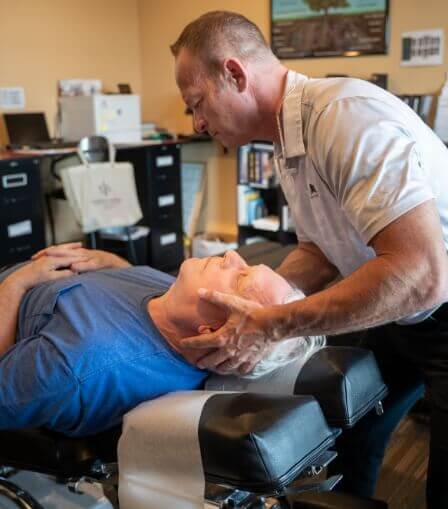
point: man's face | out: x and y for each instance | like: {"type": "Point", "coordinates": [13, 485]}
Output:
{"type": "Point", "coordinates": [218, 107]}
{"type": "Point", "coordinates": [227, 274]}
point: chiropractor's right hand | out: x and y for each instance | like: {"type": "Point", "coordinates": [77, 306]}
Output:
{"type": "Point", "coordinates": [85, 260]}
{"type": "Point", "coordinates": [240, 343]}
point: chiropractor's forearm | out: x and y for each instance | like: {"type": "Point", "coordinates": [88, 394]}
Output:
{"type": "Point", "coordinates": [11, 295]}
{"type": "Point", "coordinates": [307, 268]}
{"type": "Point", "coordinates": [383, 290]}
{"type": "Point", "coordinates": [408, 275]}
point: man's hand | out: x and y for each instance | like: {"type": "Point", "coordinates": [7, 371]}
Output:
{"type": "Point", "coordinates": [241, 342]}
{"type": "Point", "coordinates": [85, 260]}
{"type": "Point", "coordinates": [14, 287]}
{"type": "Point", "coordinates": [44, 269]}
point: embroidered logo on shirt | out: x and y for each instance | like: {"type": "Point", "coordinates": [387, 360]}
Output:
{"type": "Point", "coordinates": [313, 191]}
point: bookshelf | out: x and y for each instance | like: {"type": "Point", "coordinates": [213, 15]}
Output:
{"type": "Point", "coordinates": [262, 208]}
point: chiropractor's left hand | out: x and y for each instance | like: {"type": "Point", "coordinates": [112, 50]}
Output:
{"type": "Point", "coordinates": [241, 342]}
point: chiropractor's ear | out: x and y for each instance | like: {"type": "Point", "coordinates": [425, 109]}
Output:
{"type": "Point", "coordinates": [236, 73]}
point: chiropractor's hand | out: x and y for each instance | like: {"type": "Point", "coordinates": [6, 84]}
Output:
{"type": "Point", "coordinates": [84, 260]}
{"type": "Point", "coordinates": [241, 342]}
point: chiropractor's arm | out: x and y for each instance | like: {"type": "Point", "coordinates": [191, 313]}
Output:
{"type": "Point", "coordinates": [409, 274]}
{"type": "Point", "coordinates": [307, 268]}
{"type": "Point", "coordinates": [14, 287]}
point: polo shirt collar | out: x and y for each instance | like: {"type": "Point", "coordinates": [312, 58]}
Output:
{"type": "Point", "coordinates": [290, 117]}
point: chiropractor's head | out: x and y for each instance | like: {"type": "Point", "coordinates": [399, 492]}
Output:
{"type": "Point", "coordinates": [228, 274]}
{"type": "Point", "coordinates": [222, 59]}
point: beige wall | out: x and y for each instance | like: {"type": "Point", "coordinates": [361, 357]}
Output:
{"type": "Point", "coordinates": [161, 23]}
{"type": "Point", "coordinates": [128, 41]}
{"type": "Point", "coordinates": [47, 40]}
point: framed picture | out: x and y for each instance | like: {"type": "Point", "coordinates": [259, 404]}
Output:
{"type": "Point", "coordinates": [328, 28]}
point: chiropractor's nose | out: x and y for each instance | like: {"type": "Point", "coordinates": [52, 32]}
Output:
{"type": "Point", "coordinates": [199, 123]}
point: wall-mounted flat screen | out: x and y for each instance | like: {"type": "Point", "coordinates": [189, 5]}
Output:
{"type": "Point", "coordinates": [328, 28]}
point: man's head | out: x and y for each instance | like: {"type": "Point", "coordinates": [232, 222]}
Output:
{"type": "Point", "coordinates": [229, 77]}
{"type": "Point", "coordinates": [227, 274]}
{"type": "Point", "coordinates": [185, 314]}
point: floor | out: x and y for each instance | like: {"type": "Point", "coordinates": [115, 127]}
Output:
{"type": "Point", "coordinates": [402, 478]}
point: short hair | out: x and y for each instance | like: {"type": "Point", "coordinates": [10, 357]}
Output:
{"type": "Point", "coordinates": [216, 32]}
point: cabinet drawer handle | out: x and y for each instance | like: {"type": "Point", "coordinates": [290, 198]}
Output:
{"type": "Point", "coordinates": [19, 229]}
{"type": "Point", "coordinates": [15, 180]}
{"type": "Point", "coordinates": [166, 200]}
{"type": "Point", "coordinates": [163, 161]}
{"type": "Point", "coordinates": [168, 238]}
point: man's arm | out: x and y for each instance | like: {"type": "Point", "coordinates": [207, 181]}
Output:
{"type": "Point", "coordinates": [14, 287]}
{"type": "Point", "coordinates": [307, 268]}
{"type": "Point", "coordinates": [409, 274]}
{"type": "Point", "coordinates": [11, 295]}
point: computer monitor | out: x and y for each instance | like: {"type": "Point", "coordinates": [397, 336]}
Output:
{"type": "Point", "coordinates": [26, 128]}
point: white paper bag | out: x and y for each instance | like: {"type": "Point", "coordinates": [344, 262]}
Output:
{"type": "Point", "coordinates": [102, 195]}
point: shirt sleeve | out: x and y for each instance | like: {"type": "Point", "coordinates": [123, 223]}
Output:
{"type": "Point", "coordinates": [37, 388]}
{"type": "Point", "coordinates": [370, 162]}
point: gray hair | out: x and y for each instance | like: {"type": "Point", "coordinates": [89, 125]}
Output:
{"type": "Point", "coordinates": [298, 349]}
{"type": "Point", "coordinates": [217, 32]}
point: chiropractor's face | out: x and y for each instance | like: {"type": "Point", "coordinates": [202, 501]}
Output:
{"type": "Point", "coordinates": [219, 108]}
{"type": "Point", "coordinates": [228, 274]}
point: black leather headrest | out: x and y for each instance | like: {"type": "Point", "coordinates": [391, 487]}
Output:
{"type": "Point", "coordinates": [345, 380]}
{"type": "Point", "coordinates": [259, 442]}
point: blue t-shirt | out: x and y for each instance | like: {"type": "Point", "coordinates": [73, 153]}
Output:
{"type": "Point", "coordinates": [87, 352]}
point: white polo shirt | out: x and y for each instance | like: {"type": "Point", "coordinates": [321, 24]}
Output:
{"type": "Point", "coordinates": [354, 158]}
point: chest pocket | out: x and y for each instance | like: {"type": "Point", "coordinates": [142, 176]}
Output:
{"type": "Point", "coordinates": [40, 305]}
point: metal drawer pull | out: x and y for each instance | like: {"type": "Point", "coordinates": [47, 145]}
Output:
{"type": "Point", "coordinates": [168, 238]}
{"type": "Point", "coordinates": [163, 161]}
{"type": "Point", "coordinates": [166, 200]}
{"type": "Point", "coordinates": [19, 229]}
{"type": "Point", "coordinates": [15, 180]}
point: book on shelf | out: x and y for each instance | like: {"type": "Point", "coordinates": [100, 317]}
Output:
{"type": "Point", "coordinates": [287, 223]}
{"type": "Point", "coordinates": [243, 164]}
{"type": "Point", "coordinates": [255, 165]}
{"type": "Point", "coordinates": [250, 205]}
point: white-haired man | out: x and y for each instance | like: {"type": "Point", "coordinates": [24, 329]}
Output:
{"type": "Point", "coordinates": [85, 337]}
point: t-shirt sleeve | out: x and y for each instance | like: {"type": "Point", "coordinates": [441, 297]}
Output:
{"type": "Point", "coordinates": [370, 162]}
{"type": "Point", "coordinates": [37, 388]}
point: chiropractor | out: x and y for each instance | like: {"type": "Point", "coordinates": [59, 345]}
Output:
{"type": "Point", "coordinates": [364, 178]}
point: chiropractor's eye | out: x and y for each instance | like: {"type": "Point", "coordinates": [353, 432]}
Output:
{"type": "Point", "coordinates": [197, 104]}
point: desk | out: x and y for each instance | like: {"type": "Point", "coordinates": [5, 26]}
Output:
{"type": "Point", "coordinates": [21, 209]}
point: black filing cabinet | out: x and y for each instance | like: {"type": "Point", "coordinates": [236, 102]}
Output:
{"type": "Point", "coordinates": [157, 176]}
{"type": "Point", "coordinates": [21, 211]}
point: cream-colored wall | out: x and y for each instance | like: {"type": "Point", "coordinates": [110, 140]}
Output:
{"type": "Point", "coordinates": [115, 41]}
{"type": "Point", "coordinates": [161, 23]}
{"type": "Point", "coordinates": [44, 41]}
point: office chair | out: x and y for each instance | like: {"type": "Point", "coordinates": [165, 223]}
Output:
{"type": "Point", "coordinates": [95, 149]}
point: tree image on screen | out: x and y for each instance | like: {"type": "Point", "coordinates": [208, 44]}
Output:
{"type": "Point", "coordinates": [328, 34]}
{"type": "Point", "coordinates": [324, 5]}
